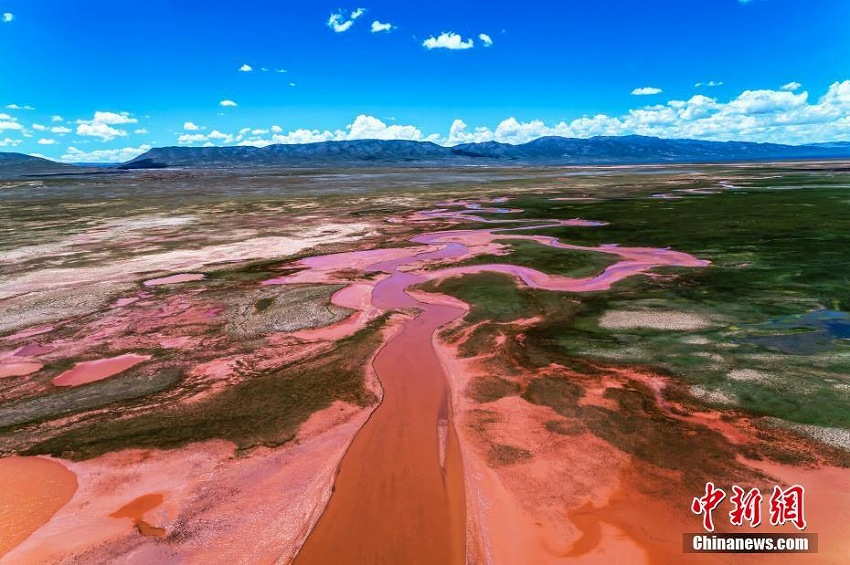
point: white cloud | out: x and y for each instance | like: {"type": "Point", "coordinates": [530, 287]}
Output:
{"type": "Point", "coordinates": [103, 131]}
{"type": "Point", "coordinates": [339, 23]}
{"type": "Point", "coordinates": [110, 118]}
{"type": "Point", "coordinates": [291, 84]}
{"type": "Point", "coordinates": [646, 91]}
{"type": "Point", "coordinates": [75, 155]}
{"type": "Point", "coordinates": [191, 126]}
{"type": "Point", "coordinates": [100, 125]}
{"type": "Point", "coordinates": [363, 127]}
{"type": "Point", "coordinates": [44, 141]}
{"type": "Point", "coordinates": [227, 103]}
{"type": "Point", "coordinates": [245, 68]}
{"type": "Point", "coordinates": [141, 131]}
{"type": "Point", "coordinates": [189, 138]}
{"type": "Point", "coordinates": [215, 135]}
{"type": "Point", "coordinates": [17, 107]}
{"type": "Point", "coordinates": [61, 130]}
{"type": "Point", "coordinates": [9, 123]}
{"type": "Point", "coordinates": [447, 40]}
{"type": "Point", "coordinates": [711, 83]}
{"type": "Point", "coordinates": [57, 119]}
{"type": "Point", "coordinates": [791, 86]}
{"type": "Point", "coordinates": [370, 127]}
{"type": "Point", "coordinates": [9, 142]}
{"type": "Point", "coordinates": [39, 127]}
{"type": "Point", "coordinates": [6, 117]}
{"type": "Point", "coordinates": [378, 27]}
{"type": "Point", "coordinates": [753, 115]}
{"type": "Point", "coordinates": [485, 39]}
{"type": "Point", "coordinates": [8, 17]}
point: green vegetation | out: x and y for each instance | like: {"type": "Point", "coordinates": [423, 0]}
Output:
{"type": "Point", "coordinates": [265, 409]}
{"type": "Point", "coordinates": [490, 389]}
{"type": "Point", "coordinates": [566, 262]}
{"type": "Point", "coordinates": [494, 297]}
{"type": "Point", "coordinates": [774, 254]}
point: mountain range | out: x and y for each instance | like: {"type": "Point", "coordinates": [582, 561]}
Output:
{"type": "Point", "coordinates": [602, 150]}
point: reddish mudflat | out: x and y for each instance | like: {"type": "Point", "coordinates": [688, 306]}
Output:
{"type": "Point", "coordinates": [90, 371]}
{"type": "Point", "coordinates": [19, 368]}
{"type": "Point", "coordinates": [34, 489]}
{"type": "Point", "coordinates": [173, 279]}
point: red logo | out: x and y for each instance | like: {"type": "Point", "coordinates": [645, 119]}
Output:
{"type": "Point", "coordinates": [706, 504]}
{"type": "Point", "coordinates": [785, 506]}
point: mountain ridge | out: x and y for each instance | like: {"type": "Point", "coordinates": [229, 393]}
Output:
{"type": "Point", "coordinates": [543, 151]}
{"type": "Point", "coordinates": [551, 150]}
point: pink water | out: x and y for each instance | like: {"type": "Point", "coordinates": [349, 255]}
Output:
{"type": "Point", "coordinates": [91, 371]}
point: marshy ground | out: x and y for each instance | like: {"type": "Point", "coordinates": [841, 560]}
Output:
{"type": "Point", "coordinates": [587, 418]}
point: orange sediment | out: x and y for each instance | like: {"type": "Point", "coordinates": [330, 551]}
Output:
{"type": "Point", "coordinates": [393, 501]}
{"type": "Point", "coordinates": [34, 489]}
{"type": "Point", "coordinates": [136, 510]}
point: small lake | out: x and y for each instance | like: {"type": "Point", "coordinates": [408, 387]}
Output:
{"type": "Point", "coordinates": [806, 334]}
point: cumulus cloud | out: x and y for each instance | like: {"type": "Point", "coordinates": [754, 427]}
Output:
{"type": "Point", "coordinates": [246, 68]}
{"type": "Point", "coordinates": [74, 155]}
{"type": "Point", "coordinates": [710, 83]}
{"type": "Point", "coordinates": [363, 127]}
{"type": "Point", "coordinates": [61, 130]}
{"type": "Point", "coordinates": [110, 118]}
{"type": "Point", "coordinates": [9, 142]}
{"type": "Point", "coordinates": [8, 17]}
{"type": "Point", "coordinates": [17, 107]}
{"type": "Point", "coordinates": [44, 141]}
{"type": "Point", "coordinates": [140, 131]}
{"type": "Point", "coordinates": [214, 137]}
{"type": "Point", "coordinates": [102, 131]}
{"type": "Point", "coordinates": [39, 127]}
{"type": "Point", "coordinates": [754, 115]}
{"type": "Point", "coordinates": [378, 27]}
{"type": "Point", "coordinates": [8, 122]}
{"type": "Point", "coordinates": [485, 39]}
{"type": "Point", "coordinates": [791, 86]}
{"type": "Point", "coordinates": [448, 40]}
{"type": "Point", "coordinates": [57, 119]}
{"type": "Point", "coordinates": [100, 125]}
{"type": "Point", "coordinates": [226, 103]}
{"type": "Point", "coordinates": [190, 126]}
{"type": "Point", "coordinates": [646, 91]}
{"type": "Point", "coordinates": [339, 23]}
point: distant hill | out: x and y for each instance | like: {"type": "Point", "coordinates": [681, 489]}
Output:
{"type": "Point", "coordinates": [18, 164]}
{"type": "Point", "coordinates": [631, 149]}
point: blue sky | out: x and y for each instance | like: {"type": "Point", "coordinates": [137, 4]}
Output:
{"type": "Point", "coordinates": [100, 80]}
